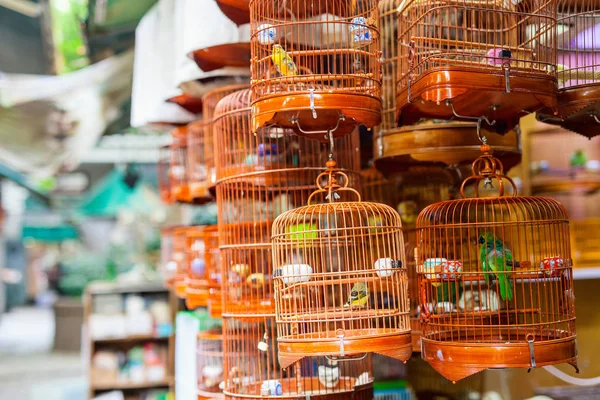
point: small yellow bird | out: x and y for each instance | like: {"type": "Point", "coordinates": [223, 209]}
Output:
{"type": "Point", "coordinates": [359, 295]}
{"type": "Point", "coordinates": [283, 62]}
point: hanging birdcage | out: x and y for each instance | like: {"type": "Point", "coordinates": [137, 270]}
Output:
{"type": "Point", "coordinates": [388, 10]}
{"type": "Point", "coordinates": [496, 280]}
{"type": "Point", "coordinates": [198, 176]}
{"type": "Point", "coordinates": [178, 170]}
{"type": "Point", "coordinates": [168, 264]}
{"type": "Point", "coordinates": [316, 65]}
{"type": "Point", "coordinates": [578, 67]}
{"type": "Point", "coordinates": [163, 167]}
{"type": "Point", "coordinates": [379, 189]}
{"type": "Point", "coordinates": [209, 363]}
{"type": "Point", "coordinates": [259, 177]}
{"type": "Point", "coordinates": [202, 255]}
{"type": "Point", "coordinates": [438, 142]}
{"type": "Point", "coordinates": [177, 280]}
{"type": "Point", "coordinates": [252, 370]}
{"type": "Point", "coordinates": [340, 277]}
{"type": "Point", "coordinates": [468, 59]}
{"type": "Point", "coordinates": [210, 101]}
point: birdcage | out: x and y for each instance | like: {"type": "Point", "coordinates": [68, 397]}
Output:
{"type": "Point", "coordinates": [496, 282]}
{"type": "Point", "coordinates": [259, 177]}
{"type": "Point", "coordinates": [252, 369]}
{"type": "Point", "coordinates": [178, 170]}
{"type": "Point", "coordinates": [340, 277]}
{"type": "Point", "coordinates": [209, 363]}
{"type": "Point", "coordinates": [578, 68]}
{"type": "Point", "coordinates": [210, 101]}
{"type": "Point", "coordinates": [388, 10]}
{"type": "Point", "coordinates": [168, 264]}
{"type": "Point", "coordinates": [377, 188]}
{"type": "Point", "coordinates": [439, 142]}
{"type": "Point", "coordinates": [177, 280]}
{"type": "Point", "coordinates": [203, 273]}
{"type": "Point", "coordinates": [316, 65]}
{"type": "Point", "coordinates": [197, 171]}
{"type": "Point", "coordinates": [163, 167]}
{"type": "Point", "coordinates": [468, 59]}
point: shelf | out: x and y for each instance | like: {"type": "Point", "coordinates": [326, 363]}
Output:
{"type": "Point", "coordinates": [586, 273]}
{"type": "Point", "coordinates": [125, 385]}
{"type": "Point", "coordinates": [135, 338]}
{"type": "Point", "coordinates": [584, 183]}
{"type": "Point", "coordinates": [115, 288]}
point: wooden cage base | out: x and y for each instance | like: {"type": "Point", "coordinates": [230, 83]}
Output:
{"type": "Point", "coordinates": [180, 288]}
{"type": "Point", "coordinates": [181, 193]}
{"type": "Point", "coordinates": [447, 143]}
{"type": "Point", "coordinates": [263, 179]}
{"type": "Point", "coordinates": [476, 93]}
{"type": "Point", "coordinates": [282, 109]}
{"type": "Point", "coordinates": [207, 395]}
{"type": "Point", "coordinates": [199, 193]}
{"type": "Point", "coordinates": [576, 107]}
{"type": "Point", "coordinates": [415, 333]}
{"type": "Point", "coordinates": [215, 305]}
{"type": "Point", "coordinates": [459, 359]}
{"type": "Point", "coordinates": [196, 297]}
{"type": "Point", "coordinates": [388, 342]}
{"type": "Point", "coordinates": [236, 10]}
{"type": "Point", "coordinates": [346, 390]}
{"type": "Point", "coordinates": [249, 308]}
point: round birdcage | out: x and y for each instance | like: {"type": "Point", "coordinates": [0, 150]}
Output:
{"type": "Point", "coordinates": [203, 273]}
{"type": "Point", "coordinates": [168, 264]}
{"type": "Point", "coordinates": [496, 280]}
{"type": "Point", "coordinates": [340, 277]}
{"type": "Point", "coordinates": [315, 65]}
{"type": "Point", "coordinates": [439, 142]}
{"type": "Point", "coordinates": [467, 59]}
{"type": "Point", "coordinates": [252, 369]}
{"type": "Point", "coordinates": [209, 363]}
{"type": "Point", "coordinates": [388, 11]}
{"type": "Point", "coordinates": [578, 68]}
{"type": "Point", "coordinates": [178, 169]}
{"type": "Point", "coordinates": [198, 176]}
{"type": "Point", "coordinates": [379, 189]}
{"type": "Point", "coordinates": [210, 101]}
{"type": "Point", "coordinates": [261, 175]}
{"type": "Point", "coordinates": [163, 168]}
{"type": "Point", "coordinates": [177, 280]}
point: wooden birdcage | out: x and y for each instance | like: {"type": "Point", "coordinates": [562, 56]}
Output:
{"type": "Point", "coordinates": [469, 59]}
{"type": "Point", "coordinates": [439, 142]}
{"type": "Point", "coordinates": [496, 280]}
{"type": "Point", "coordinates": [210, 101]}
{"type": "Point", "coordinates": [578, 68]}
{"type": "Point", "coordinates": [198, 174]}
{"type": "Point", "coordinates": [203, 273]}
{"type": "Point", "coordinates": [252, 369]}
{"type": "Point", "coordinates": [178, 170]}
{"type": "Point", "coordinates": [340, 277]}
{"type": "Point", "coordinates": [168, 264]}
{"type": "Point", "coordinates": [388, 11]}
{"type": "Point", "coordinates": [261, 175]}
{"type": "Point", "coordinates": [209, 363]}
{"type": "Point", "coordinates": [379, 189]}
{"type": "Point", "coordinates": [316, 65]}
{"type": "Point", "coordinates": [177, 280]}
{"type": "Point", "coordinates": [163, 168]}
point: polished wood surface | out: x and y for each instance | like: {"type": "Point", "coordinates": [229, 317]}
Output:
{"type": "Point", "coordinates": [576, 107]}
{"type": "Point", "coordinates": [221, 56]}
{"type": "Point", "coordinates": [476, 93]}
{"type": "Point", "coordinates": [187, 102]}
{"type": "Point", "coordinates": [236, 10]}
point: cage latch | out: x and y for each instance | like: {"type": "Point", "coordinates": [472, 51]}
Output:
{"type": "Point", "coordinates": [312, 103]}
{"type": "Point", "coordinates": [530, 339]}
{"type": "Point", "coordinates": [506, 67]}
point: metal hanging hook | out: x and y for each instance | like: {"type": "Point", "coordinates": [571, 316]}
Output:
{"type": "Point", "coordinates": [482, 139]}
{"type": "Point", "coordinates": [593, 115]}
{"type": "Point", "coordinates": [484, 118]}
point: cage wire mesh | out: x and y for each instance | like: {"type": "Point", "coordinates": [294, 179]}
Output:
{"type": "Point", "coordinates": [203, 272]}
{"type": "Point", "coordinates": [578, 32]}
{"type": "Point", "coordinates": [198, 175]}
{"type": "Point", "coordinates": [467, 59]}
{"type": "Point", "coordinates": [209, 363]}
{"type": "Point", "coordinates": [178, 170]}
{"type": "Point", "coordinates": [315, 65]}
{"type": "Point", "coordinates": [340, 276]}
{"type": "Point", "coordinates": [177, 281]}
{"type": "Point", "coordinates": [163, 168]}
{"type": "Point", "coordinates": [259, 176]}
{"type": "Point", "coordinates": [168, 264]}
{"type": "Point", "coordinates": [496, 282]}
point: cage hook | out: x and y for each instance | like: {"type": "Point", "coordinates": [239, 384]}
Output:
{"type": "Point", "coordinates": [483, 117]}
{"type": "Point", "coordinates": [312, 103]}
{"type": "Point", "coordinates": [482, 139]}
{"type": "Point", "coordinates": [593, 115]}
{"type": "Point", "coordinates": [506, 67]}
{"type": "Point", "coordinates": [296, 121]}
{"type": "Point", "coordinates": [530, 339]}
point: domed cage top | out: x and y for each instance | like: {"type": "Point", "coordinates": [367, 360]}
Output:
{"type": "Point", "coordinates": [315, 64]}
{"type": "Point", "coordinates": [252, 369]}
{"type": "Point", "coordinates": [178, 170]}
{"type": "Point", "coordinates": [467, 59]}
{"type": "Point", "coordinates": [203, 273]}
{"type": "Point", "coordinates": [496, 282]}
{"type": "Point", "coordinates": [341, 286]}
{"type": "Point", "coordinates": [209, 363]}
{"type": "Point", "coordinates": [177, 282]}
{"type": "Point", "coordinates": [578, 67]}
{"type": "Point", "coordinates": [209, 102]}
{"type": "Point", "coordinates": [261, 176]}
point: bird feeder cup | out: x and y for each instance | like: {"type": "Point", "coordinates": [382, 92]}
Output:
{"type": "Point", "coordinates": [467, 59]}
{"type": "Point", "coordinates": [578, 68]}
{"type": "Point", "coordinates": [341, 285]}
{"type": "Point", "coordinates": [328, 65]}
{"type": "Point", "coordinates": [495, 278]}
{"type": "Point", "coordinates": [203, 273]}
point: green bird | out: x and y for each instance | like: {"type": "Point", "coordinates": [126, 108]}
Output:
{"type": "Point", "coordinates": [578, 159]}
{"type": "Point", "coordinates": [359, 295]}
{"type": "Point", "coordinates": [495, 257]}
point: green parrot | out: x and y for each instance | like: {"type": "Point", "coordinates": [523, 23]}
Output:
{"type": "Point", "coordinates": [496, 257]}
{"type": "Point", "coordinates": [578, 159]}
